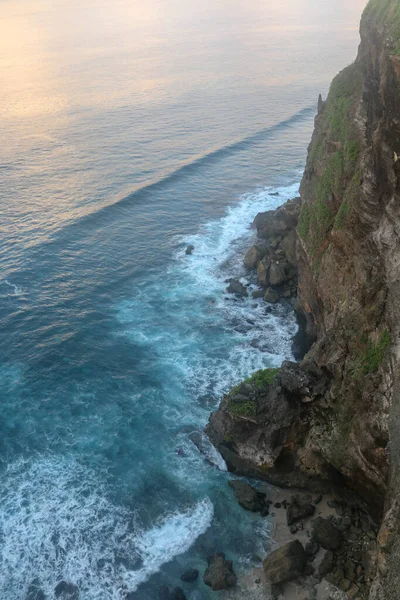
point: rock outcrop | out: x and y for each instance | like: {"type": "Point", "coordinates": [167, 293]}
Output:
{"type": "Point", "coordinates": [274, 256]}
{"type": "Point", "coordinates": [285, 563]}
{"type": "Point", "coordinates": [219, 574]}
{"type": "Point", "coordinates": [336, 415]}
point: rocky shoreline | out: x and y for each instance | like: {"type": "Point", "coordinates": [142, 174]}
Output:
{"type": "Point", "coordinates": [325, 538]}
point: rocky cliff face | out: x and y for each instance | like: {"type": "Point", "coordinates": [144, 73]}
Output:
{"type": "Point", "coordinates": [337, 414]}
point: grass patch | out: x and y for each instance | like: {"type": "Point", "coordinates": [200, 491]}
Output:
{"type": "Point", "coordinates": [372, 356]}
{"type": "Point", "coordinates": [247, 408]}
{"type": "Point", "coordinates": [262, 378]}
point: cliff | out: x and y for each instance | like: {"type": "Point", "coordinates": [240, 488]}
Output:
{"type": "Point", "coordinates": [335, 417]}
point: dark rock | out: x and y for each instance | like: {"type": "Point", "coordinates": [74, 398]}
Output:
{"type": "Point", "coordinates": [163, 593]}
{"type": "Point", "coordinates": [285, 563]}
{"type": "Point", "coordinates": [311, 548]}
{"type": "Point", "coordinates": [190, 575]}
{"type": "Point", "coordinates": [177, 594]}
{"type": "Point", "coordinates": [298, 509]}
{"type": "Point", "coordinates": [247, 496]}
{"type": "Point", "coordinates": [219, 574]}
{"type": "Point", "coordinates": [66, 591]}
{"type": "Point", "coordinates": [276, 591]}
{"type": "Point", "coordinates": [318, 500]}
{"type": "Point", "coordinates": [278, 505]}
{"type": "Point", "coordinates": [326, 534]}
{"type": "Point", "coordinates": [271, 296]}
{"type": "Point", "coordinates": [189, 249]}
{"type": "Point", "coordinates": [35, 592]}
{"type": "Point", "coordinates": [235, 287]}
{"type": "Point", "coordinates": [326, 564]}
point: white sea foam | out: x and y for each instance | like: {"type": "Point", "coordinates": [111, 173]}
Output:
{"type": "Point", "coordinates": [168, 538]}
{"type": "Point", "coordinates": [57, 521]}
{"type": "Point", "coordinates": [16, 290]}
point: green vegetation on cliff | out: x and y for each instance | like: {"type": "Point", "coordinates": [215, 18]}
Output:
{"type": "Point", "coordinates": [371, 356]}
{"type": "Point", "coordinates": [241, 406]}
{"type": "Point", "coordinates": [262, 378]}
{"type": "Point", "coordinates": [332, 163]}
{"type": "Point", "coordinates": [385, 13]}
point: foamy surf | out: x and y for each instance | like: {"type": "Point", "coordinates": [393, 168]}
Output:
{"type": "Point", "coordinates": [57, 522]}
{"type": "Point", "coordinates": [171, 536]}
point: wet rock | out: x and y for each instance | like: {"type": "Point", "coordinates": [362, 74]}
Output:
{"type": "Point", "coordinates": [177, 594]}
{"type": "Point", "coordinates": [247, 496]}
{"type": "Point", "coordinates": [326, 564]}
{"type": "Point", "coordinates": [235, 287]}
{"type": "Point", "coordinates": [35, 592]}
{"type": "Point", "coordinates": [189, 249]}
{"type": "Point", "coordinates": [253, 257]}
{"type": "Point", "coordinates": [219, 574]}
{"type": "Point", "coordinates": [66, 591]}
{"type": "Point", "coordinates": [258, 294]}
{"type": "Point", "coordinates": [285, 563]}
{"type": "Point", "coordinates": [190, 575]}
{"type": "Point", "coordinates": [326, 534]}
{"type": "Point", "coordinates": [271, 296]}
{"type": "Point", "coordinates": [298, 509]}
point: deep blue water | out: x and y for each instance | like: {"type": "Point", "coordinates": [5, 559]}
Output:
{"type": "Point", "coordinates": [128, 132]}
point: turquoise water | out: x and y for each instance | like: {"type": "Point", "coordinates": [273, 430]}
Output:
{"type": "Point", "coordinates": [128, 132]}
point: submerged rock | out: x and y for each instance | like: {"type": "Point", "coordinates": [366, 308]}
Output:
{"type": "Point", "coordinates": [66, 591]}
{"type": "Point", "coordinates": [177, 594]}
{"type": "Point", "coordinates": [285, 563]}
{"type": "Point", "coordinates": [247, 496]}
{"type": "Point", "coordinates": [35, 592]}
{"type": "Point", "coordinates": [190, 575]}
{"type": "Point", "coordinates": [189, 249]}
{"type": "Point", "coordinates": [219, 574]}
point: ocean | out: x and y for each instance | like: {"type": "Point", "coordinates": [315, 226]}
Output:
{"type": "Point", "coordinates": [130, 130]}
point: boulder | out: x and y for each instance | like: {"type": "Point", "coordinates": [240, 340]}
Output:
{"type": "Point", "coordinates": [219, 574]}
{"type": "Point", "coordinates": [271, 296]}
{"type": "Point", "coordinates": [263, 271]}
{"type": "Point", "coordinates": [247, 496]}
{"type": "Point", "coordinates": [235, 287]}
{"type": "Point", "coordinates": [189, 249]}
{"type": "Point", "coordinates": [285, 563]}
{"type": "Point", "coordinates": [326, 564]}
{"type": "Point", "coordinates": [257, 294]}
{"type": "Point", "coordinates": [298, 509]}
{"type": "Point", "coordinates": [253, 257]}
{"type": "Point", "coordinates": [66, 591]}
{"type": "Point", "coordinates": [190, 575]}
{"type": "Point", "coordinates": [326, 534]}
{"type": "Point", "coordinates": [277, 273]}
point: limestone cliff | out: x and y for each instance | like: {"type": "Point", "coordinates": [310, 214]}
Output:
{"type": "Point", "coordinates": [337, 415]}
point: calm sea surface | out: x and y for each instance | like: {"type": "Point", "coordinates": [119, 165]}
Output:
{"type": "Point", "coordinates": [129, 130]}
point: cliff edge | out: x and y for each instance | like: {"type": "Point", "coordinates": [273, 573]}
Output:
{"type": "Point", "coordinates": [335, 417]}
